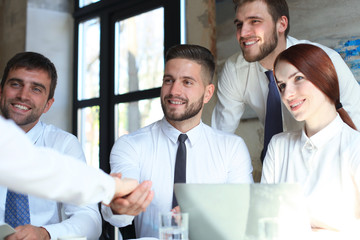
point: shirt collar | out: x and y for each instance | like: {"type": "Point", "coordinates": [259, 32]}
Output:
{"type": "Point", "coordinates": [173, 134]}
{"type": "Point", "coordinates": [261, 68]}
{"type": "Point", "coordinates": [324, 135]}
{"type": "Point", "coordinates": [35, 132]}
{"type": "Point", "coordinates": [289, 43]}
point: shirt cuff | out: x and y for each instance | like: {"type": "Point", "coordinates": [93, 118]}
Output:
{"type": "Point", "coordinates": [115, 219]}
{"type": "Point", "coordinates": [109, 190]}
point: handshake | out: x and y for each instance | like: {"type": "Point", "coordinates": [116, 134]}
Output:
{"type": "Point", "coordinates": [131, 198]}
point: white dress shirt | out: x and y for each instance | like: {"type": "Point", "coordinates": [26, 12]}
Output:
{"type": "Point", "coordinates": [149, 154]}
{"type": "Point", "coordinates": [327, 165]}
{"type": "Point", "coordinates": [57, 218]}
{"type": "Point", "coordinates": [241, 83]}
{"type": "Point", "coordinates": [75, 182]}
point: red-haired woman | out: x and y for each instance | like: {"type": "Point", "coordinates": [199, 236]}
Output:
{"type": "Point", "coordinates": [324, 157]}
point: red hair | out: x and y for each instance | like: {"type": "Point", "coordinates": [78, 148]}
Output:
{"type": "Point", "coordinates": [318, 68]}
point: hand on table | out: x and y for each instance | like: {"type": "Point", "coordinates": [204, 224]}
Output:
{"type": "Point", "coordinates": [29, 232]}
{"type": "Point", "coordinates": [176, 209]}
{"type": "Point", "coordinates": [134, 203]}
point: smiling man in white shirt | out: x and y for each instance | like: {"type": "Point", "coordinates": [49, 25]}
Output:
{"type": "Point", "coordinates": [27, 91]}
{"type": "Point", "coordinates": [150, 153]}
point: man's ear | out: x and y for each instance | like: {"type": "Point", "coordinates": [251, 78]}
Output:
{"type": "Point", "coordinates": [209, 91]}
{"type": "Point", "coordinates": [48, 105]}
{"type": "Point", "coordinates": [282, 24]}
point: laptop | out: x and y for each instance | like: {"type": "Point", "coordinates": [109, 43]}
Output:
{"type": "Point", "coordinates": [239, 211]}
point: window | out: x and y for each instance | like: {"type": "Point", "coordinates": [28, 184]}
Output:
{"type": "Point", "coordinates": [118, 68]}
{"type": "Point", "coordinates": [139, 63]}
{"type": "Point", "coordinates": [119, 61]}
{"type": "Point", "coordinates": [83, 3]}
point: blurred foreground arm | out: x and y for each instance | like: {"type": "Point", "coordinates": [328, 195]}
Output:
{"type": "Point", "coordinates": [65, 179]}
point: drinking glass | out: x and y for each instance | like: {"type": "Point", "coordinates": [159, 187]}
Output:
{"type": "Point", "coordinates": [269, 229]}
{"type": "Point", "coordinates": [173, 226]}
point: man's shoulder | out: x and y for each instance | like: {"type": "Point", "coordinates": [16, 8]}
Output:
{"type": "Point", "coordinates": [142, 134]}
{"type": "Point", "coordinates": [55, 132]}
{"type": "Point", "coordinates": [60, 140]}
{"type": "Point", "coordinates": [293, 41]}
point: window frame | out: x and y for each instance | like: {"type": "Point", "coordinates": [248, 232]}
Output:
{"type": "Point", "coordinates": [110, 11]}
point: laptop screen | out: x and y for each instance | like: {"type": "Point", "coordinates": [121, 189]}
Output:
{"type": "Point", "coordinates": [243, 211]}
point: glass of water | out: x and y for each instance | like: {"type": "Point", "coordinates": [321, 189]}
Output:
{"type": "Point", "coordinates": [174, 226]}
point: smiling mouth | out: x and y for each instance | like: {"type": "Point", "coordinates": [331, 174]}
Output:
{"type": "Point", "coordinates": [21, 107]}
{"type": "Point", "coordinates": [176, 102]}
{"type": "Point", "coordinates": [294, 106]}
{"type": "Point", "coordinates": [249, 43]}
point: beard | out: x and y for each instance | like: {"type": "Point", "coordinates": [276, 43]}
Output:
{"type": "Point", "coordinates": [19, 120]}
{"type": "Point", "coordinates": [191, 110]}
{"type": "Point", "coordinates": [265, 49]}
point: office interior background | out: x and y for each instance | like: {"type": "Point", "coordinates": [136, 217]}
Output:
{"type": "Point", "coordinates": [97, 46]}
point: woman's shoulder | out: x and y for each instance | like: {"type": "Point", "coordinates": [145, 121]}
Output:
{"type": "Point", "coordinates": [288, 136]}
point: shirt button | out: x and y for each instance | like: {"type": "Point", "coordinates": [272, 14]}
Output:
{"type": "Point", "coordinates": [309, 147]}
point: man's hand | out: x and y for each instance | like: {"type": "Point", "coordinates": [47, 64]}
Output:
{"type": "Point", "coordinates": [176, 209]}
{"type": "Point", "coordinates": [136, 202]}
{"type": "Point", "coordinates": [123, 186]}
{"type": "Point", "coordinates": [29, 232]}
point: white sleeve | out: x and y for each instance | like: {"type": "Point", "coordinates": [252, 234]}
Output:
{"type": "Point", "coordinates": [123, 159]}
{"type": "Point", "coordinates": [230, 106]}
{"type": "Point", "coordinates": [79, 221]}
{"type": "Point", "coordinates": [65, 179]}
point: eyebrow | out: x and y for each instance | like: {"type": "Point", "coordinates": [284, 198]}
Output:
{"type": "Point", "coordinates": [291, 75]}
{"type": "Point", "coordinates": [250, 17]}
{"type": "Point", "coordinates": [189, 77]}
{"type": "Point", "coordinates": [182, 77]}
{"type": "Point", "coordinates": [236, 21]}
{"type": "Point", "coordinates": [39, 85]}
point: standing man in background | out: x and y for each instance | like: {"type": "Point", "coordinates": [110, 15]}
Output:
{"type": "Point", "coordinates": [262, 32]}
{"type": "Point", "coordinates": [27, 91]}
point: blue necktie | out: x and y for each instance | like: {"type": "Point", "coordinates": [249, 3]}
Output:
{"type": "Point", "coordinates": [273, 119]}
{"type": "Point", "coordinates": [17, 209]}
{"type": "Point", "coordinates": [180, 165]}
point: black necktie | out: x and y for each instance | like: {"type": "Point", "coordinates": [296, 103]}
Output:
{"type": "Point", "coordinates": [180, 165]}
{"type": "Point", "coordinates": [273, 118]}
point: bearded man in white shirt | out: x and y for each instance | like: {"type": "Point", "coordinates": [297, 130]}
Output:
{"type": "Point", "coordinates": [212, 156]}
{"type": "Point", "coordinates": [262, 32]}
{"type": "Point", "coordinates": [27, 91]}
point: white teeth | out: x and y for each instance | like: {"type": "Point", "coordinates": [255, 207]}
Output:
{"type": "Point", "coordinates": [174, 102]}
{"type": "Point", "coordinates": [296, 104]}
{"type": "Point", "coordinates": [21, 107]}
{"type": "Point", "coordinates": [249, 43]}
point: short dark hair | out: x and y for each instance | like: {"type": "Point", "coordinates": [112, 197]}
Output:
{"type": "Point", "coordinates": [31, 61]}
{"type": "Point", "coordinates": [197, 53]}
{"type": "Point", "coordinates": [277, 9]}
